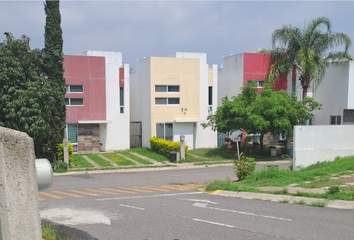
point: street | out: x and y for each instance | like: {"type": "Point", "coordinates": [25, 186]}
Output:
{"type": "Point", "coordinates": [168, 205]}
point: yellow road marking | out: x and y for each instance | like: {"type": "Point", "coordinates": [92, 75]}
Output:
{"type": "Point", "coordinates": [175, 187]}
{"type": "Point", "coordinates": [136, 190]}
{"type": "Point", "coordinates": [68, 194]}
{"type": "Point", "coordinates": [85, 193]}
{"type": "Point", "coordinates": [117, 190]}
{"type": "Point", "coordinates": [154, 188]}
{"type": "Point", "coordinates": [41, 199]}
{"type": "Point", "coordinates": [100, 191]}
{"type": "Point", "coordinates": [51, 195]}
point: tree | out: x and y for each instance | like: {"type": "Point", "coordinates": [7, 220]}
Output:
{"type": "Point", "coordinates": [23, 90]}
{"type": "Point", "coordinates": [308, 51]}
{"type": "Point", "coordinates": [270, 111]}
{"type": "Point", "coordinates": [55, 109]}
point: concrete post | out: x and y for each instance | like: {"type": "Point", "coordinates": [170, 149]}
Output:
{"type": "Point", "coordinates": [182, 147]}
{"type": "Point", "coordinates": [66, 151]}
{"type": "Point", "coordinates": [19, 211]}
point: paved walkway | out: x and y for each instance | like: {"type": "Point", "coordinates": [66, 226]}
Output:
{"type": "Point", "coordinates": [287, 199]}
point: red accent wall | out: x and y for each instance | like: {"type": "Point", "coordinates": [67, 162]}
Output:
{"type": "Point", "coordinates": [256, 66]}
{"type": "Point", "coordinates": [89, 72]}
{"type": "Point", "coordinates": [121, 77]}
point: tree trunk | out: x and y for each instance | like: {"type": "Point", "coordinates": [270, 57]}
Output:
{"type": "Point", "coordinates": [304, 92]}
{"type": "Point", "coordinates": [261, 141]}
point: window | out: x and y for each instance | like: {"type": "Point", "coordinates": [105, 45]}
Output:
{"type": "Point", "coordinates": [293, 87]}
{"type": "Point", "coordinates": [165, 88]}
{"type": "Point", "coordinates": [121, 99]}
{"type": "Point", "coordinates": [210, 96]}
{"type": "Point", "coordinates": [75, 88]}
{"type": "Point", "coordinates": [336, 120]}
{"type": "Point", "coordinates": [72, 135]}
{"type": "Point", "coordinates": [173, 101]}
{"type": "Point", "coordinates": [164, 131]}
{"type": "Point", "coordinates": [166, 101]}
{"type": "Point", "coordinates": [255, 83]}
{"type": "Point", "coordinates": [74, 101]}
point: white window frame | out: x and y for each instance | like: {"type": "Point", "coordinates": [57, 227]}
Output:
{"type": "Point", "coordinates": [258, 82]}
{"type": "Point", "coordinates": [166, 88]}
{"type": "Point", "coordinates": [337, 119]}
{"type": "Point", "coordinates": [164, 130]}
{"type": "Point", "coordinates": [70, 99]}
{"type": "Point", "coordinates": [170, 104]}
{"type": "Point", "coordinates": [68, 88]}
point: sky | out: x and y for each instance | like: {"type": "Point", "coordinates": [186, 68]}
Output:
{"type": "Point", "coordinates": [141, 29]}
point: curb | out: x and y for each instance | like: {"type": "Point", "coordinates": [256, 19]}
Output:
{"type": "Point", "coordinates": [148, 169]}
{"type": "Point", "coordinates": [339, 204]}
{"type": "Point", "coordinates": [177, 166]}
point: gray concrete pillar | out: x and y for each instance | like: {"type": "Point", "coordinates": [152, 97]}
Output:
{"type": "Point", "coordinates": [19, 215]}
{"type": "Point", "coordinates": [66, 151]}
{"type": "Point", "coordinates": [182, 147]}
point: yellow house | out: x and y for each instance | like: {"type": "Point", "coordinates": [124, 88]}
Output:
{"type": "Point", "coordinates": [172, 96]}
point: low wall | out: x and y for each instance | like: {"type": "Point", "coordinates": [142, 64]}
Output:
{"type": "Point", "coordinates": [19, 215]}
{"type": "Point", "coordinates": [321, 143]}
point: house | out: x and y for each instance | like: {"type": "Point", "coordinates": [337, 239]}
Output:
{"type": "Point", "coordinates": [336, 93]}
{"type": "Point", "coordinates": [239, 69]}
{"type": "Point", "coordinates": [172, 96]}
{"type": "Point", "coordinates": [97, 101]}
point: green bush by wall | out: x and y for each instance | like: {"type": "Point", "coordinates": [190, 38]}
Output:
{"type": "Point", "coordinates": [164, 147]}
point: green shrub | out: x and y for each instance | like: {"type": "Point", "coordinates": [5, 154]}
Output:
{"type": "Point", "coordinates": [244, 167]}
{"type": "Point", "coordinates": [60, 166]}
{"type": "Point", "coordinates": [60, 152]}
{"type": "Point", "coordinates": [164, 147]}
{"type": "Point", "coordinates": [332, 190]}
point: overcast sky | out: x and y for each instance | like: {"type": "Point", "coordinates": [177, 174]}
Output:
{"type": "Point", "coordinates": [158, 28]}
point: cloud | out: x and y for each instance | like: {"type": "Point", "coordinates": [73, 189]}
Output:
{"type": "Point", "coordinates": [158, 28]}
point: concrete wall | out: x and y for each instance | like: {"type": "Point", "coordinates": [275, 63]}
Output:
{"type": "Point", "coordinates": [314, 144]}
{"type": "Point", "coordinates": [140, 105]}
{"type": "Point", "coordinates": [19, 211]}
{"type": "Point", "coordinates": [230, 81]}
{"type": "Point", "coordinates": [332, 93]}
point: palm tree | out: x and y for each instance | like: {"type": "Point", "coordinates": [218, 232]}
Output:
{"type": "Point", "coordinates": [309, 51]}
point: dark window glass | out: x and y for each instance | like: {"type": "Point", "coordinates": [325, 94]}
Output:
{"type": "Point", "coordinates": [160, 101]}
{"type": "Point", "coordinates": [66, 101]}
{"type": "Point", "coordinates": [76, 88]}
{"type": "Point", "coordinates": [210, 97]}
{"type": "Point", "coordinates": [160, 131]}
{"type": "Point", "coordinates": [76, 101]}
{"type": "Point", "coordinates": [72, 133]}
{"type": "Point", "coordinates": [169, 131]}
{"type": "Point", "coordinates": [121, 96]}
{"type": "Point", "coordinates": [173, 88]}
{"type": "Point", "coordinates": [160, 88]}
{"type": "Point", "coordinates": [173, 101]}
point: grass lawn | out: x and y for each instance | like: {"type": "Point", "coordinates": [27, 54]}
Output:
{"type": "Point", "coordinates": [138, 159]}
{"type": "Point", "coordinates": [79, 161]}
{"type": "Point", "coordinates": [150, 154]}
{"type": "Point", "coordinates": [121, 161]}
{"type": "Point", "coordinates": [318, 174]}
{"type": "Point", "coordinates": [98, 160]}
{"type": "Point", "coordinates": [222, 154]}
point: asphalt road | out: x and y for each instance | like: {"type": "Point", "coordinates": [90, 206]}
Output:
{"type": "Point", "coordinates": [167, 205]}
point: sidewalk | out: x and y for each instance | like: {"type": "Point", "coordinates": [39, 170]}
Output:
{"type": "Point", "coordinates": [340, 204]}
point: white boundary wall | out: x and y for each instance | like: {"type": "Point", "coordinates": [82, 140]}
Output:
{"type": "Point", "coordinates": [321, 143]}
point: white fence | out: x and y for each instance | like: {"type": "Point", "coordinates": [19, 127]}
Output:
{"type": "Point", "coordinates": [321, 143]}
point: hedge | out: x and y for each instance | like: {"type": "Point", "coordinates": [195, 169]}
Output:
{"type": "Point", "coordinates": [164, 147]}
